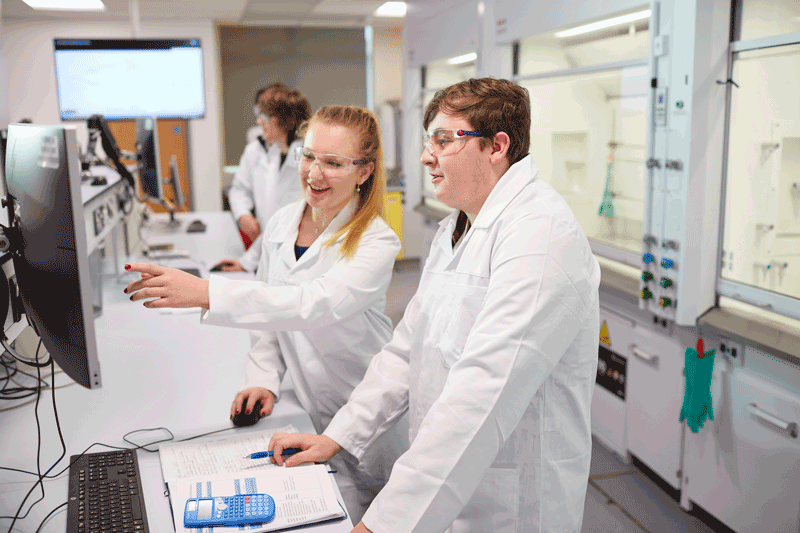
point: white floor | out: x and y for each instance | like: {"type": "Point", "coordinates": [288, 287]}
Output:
{"type": "Point", "coordinates": [620, 498]}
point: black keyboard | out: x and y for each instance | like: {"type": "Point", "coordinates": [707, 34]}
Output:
{"type": "Point", "coordinates": [105, 494]}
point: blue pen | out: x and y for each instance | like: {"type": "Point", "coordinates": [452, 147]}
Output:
{"type": "Point", "coordinates": [261, 455]}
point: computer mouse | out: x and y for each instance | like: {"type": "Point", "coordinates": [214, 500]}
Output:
{"type": "Point", "coordinates": [243, 419]}
{"type": "Point", "coordinates": [196, 226]}
{"type": "Point", "coordinates": [218, 267]}
{"type": "Point", "coordinates": [99, 180]}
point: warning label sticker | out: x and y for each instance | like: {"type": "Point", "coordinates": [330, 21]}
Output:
{"type": "Point", "coordinates": [604, 338]}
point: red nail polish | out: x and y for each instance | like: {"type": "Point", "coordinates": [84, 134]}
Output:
{"type": "Point", "coordinates": [127, 267]}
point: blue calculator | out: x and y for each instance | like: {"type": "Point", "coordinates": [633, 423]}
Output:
{"type": "Point", "coordinates": [239, 510]}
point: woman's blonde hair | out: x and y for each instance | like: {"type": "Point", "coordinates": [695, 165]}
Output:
{"type": "Point", "coordinates": [372, 193]}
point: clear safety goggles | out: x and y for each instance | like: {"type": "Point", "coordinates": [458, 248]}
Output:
{"type": "Point", "coordinates": [332, 165]}
{"type": "Point", "coordinates": [447, 141]}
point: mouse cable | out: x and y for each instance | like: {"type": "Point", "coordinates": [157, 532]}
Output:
{"type": "Point", "coordinates": [135, 447]}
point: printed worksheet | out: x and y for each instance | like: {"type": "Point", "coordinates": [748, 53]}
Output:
{"type": "Point", "coordinates": [303, 495]}
{"type": "Point", "coordinates": [216, 455]}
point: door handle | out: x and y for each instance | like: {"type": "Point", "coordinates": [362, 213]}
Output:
{"type": "Point", "coordinates": [644, 356]}
{"type": "Point", "coordinates": [774, 421]}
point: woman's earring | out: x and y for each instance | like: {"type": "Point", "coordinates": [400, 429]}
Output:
{"type": "Point", "coordinates": [358, 188]}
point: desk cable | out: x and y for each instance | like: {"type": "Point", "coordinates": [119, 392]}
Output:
{"type": "Point", "coordinates": [40, 477]}
{"type": "Point", "coordinates": [39, 481]}
{"type": "Point", "coordinates": [42, 384]}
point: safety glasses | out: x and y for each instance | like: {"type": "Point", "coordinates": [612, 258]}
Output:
{"type": "Point", "coordinates": [447, 141]}
{"type": "Point", "coordinates": [332, 165]}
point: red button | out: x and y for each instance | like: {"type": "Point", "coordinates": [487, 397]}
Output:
{"type": "Point", "coordinates": [247, 499]}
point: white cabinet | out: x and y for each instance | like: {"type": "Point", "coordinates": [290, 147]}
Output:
{"type": "Point", "coordinates": [744, 467]}
{"type": "Point", "coordinates": [654, 397]}
{"type": "Point", "coordinates": [609, 405]}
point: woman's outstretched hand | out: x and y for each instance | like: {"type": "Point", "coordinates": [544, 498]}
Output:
{"type": "Point", "coordinates": [169, 286]}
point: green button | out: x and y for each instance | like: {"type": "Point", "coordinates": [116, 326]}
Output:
{"type": "Point", "coordinates": [647, 276]}
{"type": "Point", "coordinates": [646, 295]}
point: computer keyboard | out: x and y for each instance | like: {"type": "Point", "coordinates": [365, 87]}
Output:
{"type": "Point", "coordinates": [105, 494]}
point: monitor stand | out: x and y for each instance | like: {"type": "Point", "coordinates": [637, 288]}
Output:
{"type": "Point", "coordinates": [174, 224]}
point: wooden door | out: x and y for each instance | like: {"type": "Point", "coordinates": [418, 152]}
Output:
{"type": "Point", "coordinates": [171, 141]}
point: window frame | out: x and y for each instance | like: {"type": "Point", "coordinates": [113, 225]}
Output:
{"type": "Point", "coordinates": [737, 290]}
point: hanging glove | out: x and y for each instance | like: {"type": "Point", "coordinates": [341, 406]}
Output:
{"type": "Point", "coordinates": [697, 402]}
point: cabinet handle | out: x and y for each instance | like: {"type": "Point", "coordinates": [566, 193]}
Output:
{"type": "Point", "coordinates": [644, 356]}
{"type": "Point", "coordinates": [788, 427]}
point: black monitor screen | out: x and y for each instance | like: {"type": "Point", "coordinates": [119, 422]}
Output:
{"type": "Point", "coordinates": [147, 150]}
{"type": "Point", "coordinates": [51, 262]}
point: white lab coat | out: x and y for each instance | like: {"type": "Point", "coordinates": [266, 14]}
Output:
{"type": "Point", "coordinates": [495, 360]}
{"type": "Point", "coordinates": [264, 184]}
{"type": "Point", "coordinates": [321, 318]}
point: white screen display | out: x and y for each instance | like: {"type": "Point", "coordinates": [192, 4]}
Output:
{"type": "Point", "coordinates": [191, 506]}
{"type": "Point", "coordinates": [205, 509]}
{"type": "Point", "coordinates": [129, 79]}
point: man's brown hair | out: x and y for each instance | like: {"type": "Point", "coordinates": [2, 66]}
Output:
{"type": "Point", "coordinates": [490, 106]}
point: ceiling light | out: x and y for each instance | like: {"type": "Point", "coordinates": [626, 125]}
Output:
{"type": "Point", "coordinates": [391, 9]}
{"type": "Point", "coordinates": [604, 24]}
{"type": "Point", "coordinates": [67, 5]}
{"type": "Point", "coordinates": [466, 58]}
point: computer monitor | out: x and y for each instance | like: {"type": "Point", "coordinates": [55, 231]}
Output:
{"type": "Point", "coordinates": [48, 245]}
{"type": "Point", "coordinates": [3, 142]}
{"type": "Point", "coordinates": [148, 159]}
{"type": "Point", "coordinates": [174, 180]}
{"type": "Point", "coordinates": [98, 127]}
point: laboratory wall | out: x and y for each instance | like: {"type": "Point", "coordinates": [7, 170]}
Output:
{"type": "Point", "coordinates": [4, 111]}
{"type": "Point", "coordinates": [30, 69]}
{"type": "Point", "coordinates": [387, 58]}
{"type": "Point", "coordinates": [765, 18]}
{"type": "Point", "coordinates": [326, 64]}
{"type": "Point", "coordinates": [517, 20]}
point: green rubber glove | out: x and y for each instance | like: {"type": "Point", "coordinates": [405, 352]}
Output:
{"type": "Point", "coordinates": [697, 401]}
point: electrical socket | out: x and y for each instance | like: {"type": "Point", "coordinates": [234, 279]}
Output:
{"type": "Point", "coordinates": [734, 350]}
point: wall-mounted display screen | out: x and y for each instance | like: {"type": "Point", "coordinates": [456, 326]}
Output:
{"type": "Point", "coordinates": [122, 79]}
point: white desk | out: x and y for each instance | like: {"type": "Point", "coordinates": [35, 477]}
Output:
{"type": "Point", "coordinates": [157, 370]}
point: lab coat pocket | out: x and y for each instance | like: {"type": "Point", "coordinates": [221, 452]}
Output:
{"type": "Point", "coordinates": [495, 504]}
{"type": "Point", "coordinates": [463, 305]}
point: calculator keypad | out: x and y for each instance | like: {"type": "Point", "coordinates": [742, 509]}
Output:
{"type": "Point", "coordinates": [247, 506]}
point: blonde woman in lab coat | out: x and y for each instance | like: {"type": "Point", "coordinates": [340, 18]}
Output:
{"type": "Point", "coordinates": [317, 307]}
{"type": "Point", "coordinates": [496, 356]}
{"type": "Point", "coordinates": [267, 176]}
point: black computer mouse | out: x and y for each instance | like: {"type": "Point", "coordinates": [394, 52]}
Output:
{"type": "Point", "coordinates": [243, 419]}
{"type": "Point", "coordinates": [196, 226]}
{"type": "Point", "coordinates": [99, 180]}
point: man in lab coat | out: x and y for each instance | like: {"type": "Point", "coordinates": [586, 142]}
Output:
{"type": "Point", "coordinates": [496, 356]}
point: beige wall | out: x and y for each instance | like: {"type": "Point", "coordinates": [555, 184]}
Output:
{"type": "Point", "coordinates": [388, 63]}
{"type": "Point", "coordinates": [327, 65]}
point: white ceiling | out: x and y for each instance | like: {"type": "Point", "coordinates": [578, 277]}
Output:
{"type": "Point", "coordinates": [282, 12]}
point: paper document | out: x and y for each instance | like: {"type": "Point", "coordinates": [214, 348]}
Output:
{"type": "Point", "coordinates": [303, 495]}
{"type": "Point", "coordinates": [216, 455]}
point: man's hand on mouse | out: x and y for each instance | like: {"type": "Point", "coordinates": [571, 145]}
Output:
{"type": "Point", "coordinates": [228, 265]}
